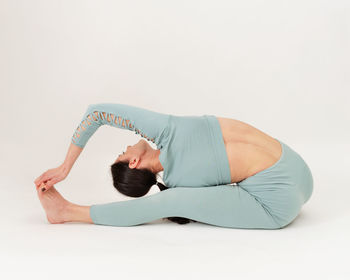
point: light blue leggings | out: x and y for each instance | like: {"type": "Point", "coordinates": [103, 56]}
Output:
{"type": "Point", "coordinates": [270, 199]}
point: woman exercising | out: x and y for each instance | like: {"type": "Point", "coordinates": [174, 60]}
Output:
{"type": "Point", "coordinates": [216, 170]}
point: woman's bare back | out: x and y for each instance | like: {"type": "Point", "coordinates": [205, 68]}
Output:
{"type": "Point", "coordinates": [249, 150]}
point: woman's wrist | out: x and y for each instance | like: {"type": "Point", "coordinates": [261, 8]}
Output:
{"type": "Point", "coordinates": [71, 156]}
{"type": "Point", "coordinates": [66, 167]}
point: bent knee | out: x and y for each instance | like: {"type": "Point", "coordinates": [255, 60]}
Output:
{"type": "Point", "coordinates": [287, 210]}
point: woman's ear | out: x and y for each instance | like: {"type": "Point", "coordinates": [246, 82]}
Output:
{"type": "Point", "coordinates": [134, 162]}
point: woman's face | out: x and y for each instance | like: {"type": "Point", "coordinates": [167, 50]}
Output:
{"type": "Point", "coordinates": [133, 151]}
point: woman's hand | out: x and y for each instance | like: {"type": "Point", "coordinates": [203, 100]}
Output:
{"type": "Point", "coordinates": [52, 176]}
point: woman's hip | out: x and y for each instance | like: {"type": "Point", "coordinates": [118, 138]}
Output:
{"type": "Point", "coordinates": [289, 173]}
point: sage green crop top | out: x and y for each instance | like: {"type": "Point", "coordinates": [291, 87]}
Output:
{"type": "Point", "coordinates": [192, 149]}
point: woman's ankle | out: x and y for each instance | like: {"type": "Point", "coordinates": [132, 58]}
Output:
{"type": "Point", "coordinates": [78, 213]}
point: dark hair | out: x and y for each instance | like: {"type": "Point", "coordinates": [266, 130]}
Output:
{"type": "Point", "coordinates": [137, 182]}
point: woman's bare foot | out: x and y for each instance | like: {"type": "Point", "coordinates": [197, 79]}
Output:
{"type": "Point", "coordinates": [55, 206]}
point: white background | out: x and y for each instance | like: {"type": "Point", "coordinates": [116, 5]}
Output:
{"type": "Point", "coordinates": [281, 66]}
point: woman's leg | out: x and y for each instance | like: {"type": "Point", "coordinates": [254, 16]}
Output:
{"type": "Point", "coordinates": [225, 205]}
{"type": "Point", "coordinates": [250, 205]}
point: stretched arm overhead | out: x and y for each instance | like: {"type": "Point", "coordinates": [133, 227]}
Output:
{"type": "Point", "coordinates": [149, 124]}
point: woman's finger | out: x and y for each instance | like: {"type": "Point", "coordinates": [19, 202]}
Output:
{"type": "Point", "coordinates": [37, 180]}
{"type": "Point", "coordinates": [45, 178]}
{"type": "Point", "coordinates": [51, 182]}
{"type": "Point", "coordinates": [46, 173]}
{"type": "Point", "coordinates": [42, 178]}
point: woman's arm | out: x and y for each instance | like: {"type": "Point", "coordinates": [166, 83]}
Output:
{"type": "Point", "coordinates": [71, 156]}
{"type": "Point", "coordinates": [149, 124]}
{"type": "Point", "coordinates": [55, 175]}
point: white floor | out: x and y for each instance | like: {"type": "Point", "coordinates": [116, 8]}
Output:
{"type": "Point", "coordinates": [316, 245]}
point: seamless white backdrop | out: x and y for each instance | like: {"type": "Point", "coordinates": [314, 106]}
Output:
{"type": "Point", "coordinates": [282, 66]}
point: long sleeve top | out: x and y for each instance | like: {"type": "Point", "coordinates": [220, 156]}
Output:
{"type": "Point", "coordinates": [192, 149]}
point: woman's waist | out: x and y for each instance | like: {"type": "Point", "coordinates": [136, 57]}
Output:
{"type": "Point", "coordinates": [290, 168]}
{"type": "Point", "coordinates": [248, 159]}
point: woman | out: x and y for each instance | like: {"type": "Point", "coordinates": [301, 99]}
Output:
{"type": "Point", "coordinates": [216, 170]}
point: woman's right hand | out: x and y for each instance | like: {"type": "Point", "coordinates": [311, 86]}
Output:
{"type": "Point", "coordinates": [52, 176]}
